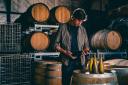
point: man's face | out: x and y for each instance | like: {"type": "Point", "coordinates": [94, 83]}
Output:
{"type": "Point", "coordinates": [77, 22]}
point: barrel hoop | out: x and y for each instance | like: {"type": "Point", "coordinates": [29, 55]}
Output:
{"type": "Point", "coordinates": [53, 77]}
{"type": "Point", "coordinates": [99, 84]}
{"type": "Point", "coordinates": [105, 38]}
{"type": "Point", "coordinates": [97, 80]}
{"type": "Point", "coordinates": [105, 75]}
{"type": "Point", "coordinates": [53, 70]}
{"type": "Point", "coordinates": [54, 64]}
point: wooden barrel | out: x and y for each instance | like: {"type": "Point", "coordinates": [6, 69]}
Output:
{"type": "Point", "coordinates": [94, 79]}
{"type": "Point", "coordinates": [106, 39]}
{"type": "Point", "coordinates": [60, 14]}
{"type": "Point", "coordinates": [39, 12]}
{"type": "Point", "coordinates": [36, 13]}
{"type": "Point", "coordinates": [39, 41]}
{"type": "Point", "coordinates": [39, 77]}
{"type": "Point", "coordinates": [36, 41]}
{"type": "Point", "coordinates": [48, 73]}
{"type": "Point", "coordinates": [54, 74]}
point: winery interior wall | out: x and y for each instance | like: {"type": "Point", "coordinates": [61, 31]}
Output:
{"type": "Point", "coordinates": [20, 6]}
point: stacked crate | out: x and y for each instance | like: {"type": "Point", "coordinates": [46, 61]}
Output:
{"type": "Point", "coordinates": [10, 38]}
{"type": "Point", "coordinates": [15, 69]}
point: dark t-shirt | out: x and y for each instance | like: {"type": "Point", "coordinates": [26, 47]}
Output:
{"type": "Point", "coordinates": [73, 31]}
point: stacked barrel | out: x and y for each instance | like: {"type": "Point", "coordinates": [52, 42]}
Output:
{"type": "Point", "coordinates": [46, 72]}
{"type": "Point", "coordinates": [39, 13]}
{"type": "Point", "coordinates": [36, 13]}
{"type": "Point", "coordinates": [60, 14]}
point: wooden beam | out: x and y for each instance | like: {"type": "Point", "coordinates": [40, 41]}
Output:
{"type": "Point", "coordinates": [8, 9]}
{"type": "Point", "coordinates": [5, 12]}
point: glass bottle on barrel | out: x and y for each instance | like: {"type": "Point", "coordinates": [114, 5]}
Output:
{"type": "Point", "coordinates": [95, 65]}
{"type": "Point", "coordinates": [90, 64]}
{"type": "Point", "coordinates": [101, 65]}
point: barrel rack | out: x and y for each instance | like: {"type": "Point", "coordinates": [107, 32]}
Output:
{"type": "Point", "coordinates": [105, 54]}
{"type": "Point", "coordinates": [55, 55]}
{"type": "Point", "coordinates": [45, 55]}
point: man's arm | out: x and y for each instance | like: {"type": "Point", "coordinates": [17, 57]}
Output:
{"type": "Point", "coordinates": [86, 43]}
{"type": "Point", "coordinates": [65, 52]}
{"type": "Point", "coordinates": [58, 42]}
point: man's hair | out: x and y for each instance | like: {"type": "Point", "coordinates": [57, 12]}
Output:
{"type": "Point", "coordinates": [79, 14]}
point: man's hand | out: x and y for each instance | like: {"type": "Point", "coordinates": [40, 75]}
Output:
{"type": "Point", "coordinates": [65, 52]}
{"type": "Point", "coordinates": [73, 57]}
{"type": "Point", "coordinates": [60, 49]}
{"type": "Point", "coordinates": [85, 51]}
{"type": "Point", "coordinates": [69, 53]}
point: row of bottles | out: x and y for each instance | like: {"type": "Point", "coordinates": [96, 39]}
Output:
{"type": "Point", "coordinates": [95, 67]}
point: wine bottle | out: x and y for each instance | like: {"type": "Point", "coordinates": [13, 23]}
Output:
{"type": "Point", "coordinates": [95, 66]}
{"type": "Point", "coordinates": [90, 65]}
{"type": "Point", "coordinates": [101, 66]}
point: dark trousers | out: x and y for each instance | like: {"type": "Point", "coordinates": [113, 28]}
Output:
{"type": "Point", "coordinates": [67, 71]}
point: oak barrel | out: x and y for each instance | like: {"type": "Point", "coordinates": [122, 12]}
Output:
{"type": "Point", "coordinates": [39, 41]}
{"type": "Point", "coordinates": [36, 13]}
{"type": "Point", "coordinates": [39, 12]}
{"type": "Point", "coordinates": [94, 79]}
{"type": "Point", "coordinates": [40, 70]}
{"type": "Point", "coordinates": [48, 73]}
{"type": "Point", "coordinates": [54, 74]}
{"type": "Point", "coordinates": [106, 39]}
{"type": "Point", "coordinates": [36, 41]}
{"type": "Point", "coordinates": [60, 14]}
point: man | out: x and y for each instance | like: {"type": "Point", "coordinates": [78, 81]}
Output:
{"type": "Point", "coordinates": [72, 43]}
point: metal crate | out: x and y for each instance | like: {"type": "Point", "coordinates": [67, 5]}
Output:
{"type": "Point", "coordinates": [15, 69]}
{"type": "Point", "coordinates": [10, 38]}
